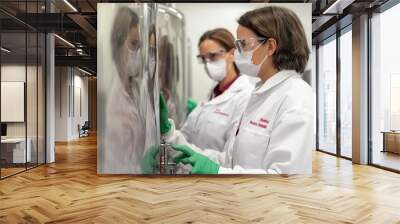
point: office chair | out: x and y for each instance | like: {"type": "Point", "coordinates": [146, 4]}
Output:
{"type": "Point", "coordinates": [84, 130]}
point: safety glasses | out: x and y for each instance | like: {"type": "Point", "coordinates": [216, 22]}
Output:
{"type": "Point", "coordinates": [243, 45]}
{"type": "Point", "coordinates": [211, 56]}
{"type": "Point", "coordinates": [135, 45]}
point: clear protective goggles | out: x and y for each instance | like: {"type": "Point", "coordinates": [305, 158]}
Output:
{"type": "Point", "coordinates": [135, 45]}
{"type": "Point", "coordinates": [211, 56]}
{"type": "Point", "coordinates": [249, 44]}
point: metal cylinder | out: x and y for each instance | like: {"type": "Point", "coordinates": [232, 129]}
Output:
{"type": "Point", "coordinates": [167, 166]}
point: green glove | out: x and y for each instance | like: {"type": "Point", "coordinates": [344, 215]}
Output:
{"type": "Point", "coordinates": [165, 125]}
{"type": "Point", "coordinates": [200, 164]}
{"type": "Point", "coordinates": [191, 104]}
{"type": "Point", "coordinates": [150, 163]}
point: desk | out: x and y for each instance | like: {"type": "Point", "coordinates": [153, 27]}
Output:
{"type": "Point", "coordinates": [13, 150]}
{"type": "Point", "coordinates": [391, 141]}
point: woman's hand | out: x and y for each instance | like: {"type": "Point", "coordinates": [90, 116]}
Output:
{"type": "Point", "coordinates": [150, 163]}
{"type": "Point", "coordinates": [191, 105]}
{"type": "Point", "coordinates": [165, 125]}
{"type": "Point", "coordinates": [200, 164]}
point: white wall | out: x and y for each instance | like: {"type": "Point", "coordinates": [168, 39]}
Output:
{"type": "Point", "coordinates": [33, 126]}
{"type": "Point", "coordinates": [80, 83]}
{"type": "Point", "coordinates": [200, 17]}
{"type": "Point", "coordinates": [61, 103]}
{"type": "Point", "coordinates": [14, 73]}
{"type": "Point", "coordinates": [12, 99]}
{"type": "Point", "coordinates": [17, 73]}
{"type": "Point", "coordinates": [68, 81]}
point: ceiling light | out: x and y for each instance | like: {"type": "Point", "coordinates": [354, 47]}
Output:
{"type": "Point", "coordinates": [84, 71]}
{"type": "Point", "coordinates": [173, 10]}
{"type": "Point", "coordinates": [338, 6]}
{"type": "Point", "coordinates": [5, 50]}
{"type": "Point", "coordinates": [64, 40]}
{"type": "Point", "coordinates": [70, 5]}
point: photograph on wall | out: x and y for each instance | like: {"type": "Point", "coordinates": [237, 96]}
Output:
{"type": "Point", "coordinates": [182, 90]}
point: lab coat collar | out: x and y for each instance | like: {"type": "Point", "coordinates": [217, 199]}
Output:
{"type": "Point", "coordinates": [240, 84]}
{"type": "Point", "coordinates": [274, 80]}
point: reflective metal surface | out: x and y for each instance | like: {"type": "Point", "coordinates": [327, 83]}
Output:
{"type": "Point", "coordinates": [166, 163]}
{"type": "Point", "coordinates": [170, 27]}
{"type": "Point", "coordinates": [127, 87]}
{"type": "Point", "coordinates": [141, 50]}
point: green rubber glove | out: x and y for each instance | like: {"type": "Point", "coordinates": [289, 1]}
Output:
{"type": "Point", "coordinates": [200, 164]}
{"type": "Point", "coordinates": [165, 125]}
{"type": "Point", "coordinates": [150, 163]}
{"type": "Point", "coordinates": [191, 104]}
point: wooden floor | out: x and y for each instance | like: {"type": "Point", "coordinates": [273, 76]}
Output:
{"type": "Point", "coordinates": [5, 172]}
{"type": "Point", "coordinates": [70, 191]}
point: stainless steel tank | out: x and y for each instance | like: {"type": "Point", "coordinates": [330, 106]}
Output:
{"type": "Point", "coordinates": [141, 52]}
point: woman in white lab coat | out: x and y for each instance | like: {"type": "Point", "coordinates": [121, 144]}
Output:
{"type": "Point", "coordinates": [275, 133]}
{"type": "Point", "coordinates": [209, 124]}
{"type": "Point", "coordinates": [125, 131]}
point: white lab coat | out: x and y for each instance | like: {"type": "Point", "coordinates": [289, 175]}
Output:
{"type": "Point", "coordinates": [275, 134]}
{"type": "Point", "coordinates": [148, 113]}
{"type": "Point", "coordinates": [124, 132]}
{"type": "Point", "coordinates": [208, 125]}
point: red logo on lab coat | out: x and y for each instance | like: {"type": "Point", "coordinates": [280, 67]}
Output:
{"type": "Point", "coordinates": [262, 123]}
{"type": "Point", "coordinates": [218, 111]}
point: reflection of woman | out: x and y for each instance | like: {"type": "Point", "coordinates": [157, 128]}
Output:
{"type": "Point", "coordinates": [209, 125]}
{"type": "Point", "coordinates": [148, 91]}
{"type": "Point", "coordinates": [152, 54]}
{"type": "Point", "coordinates": [167, 73]}
{"type": "Point", "coordinates": [125, 138]}
{"type": "Point", "coordinates": [275, 132]}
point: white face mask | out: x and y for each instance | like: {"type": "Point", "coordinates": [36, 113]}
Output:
{"type": "Point", "coordinates": [152, 67]}
{"type": "Point", "coordinates": [216, 70]}
{"type": "Point", "coordinates": [152, 63]}
{"type": "Point", "coordinates": [134, 63]}
{"type": "Point", "coordinates": [245, 65]}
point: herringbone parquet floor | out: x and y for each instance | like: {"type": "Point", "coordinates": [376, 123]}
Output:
{"type": "Point", "coordinates": [70, 191]}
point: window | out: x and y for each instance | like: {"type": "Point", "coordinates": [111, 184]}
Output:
{"type": "Point", "coordinates": [327, 96]}
{"type": "Point", "coordinates": [385, 89]}
{"type": "Point", "coordinates": [346, 93]}
{"type": "Point", "coordinates": [395, 102]}
{"type": "Point", "coordinates": [22, 78]}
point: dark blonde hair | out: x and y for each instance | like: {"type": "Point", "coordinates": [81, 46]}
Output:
{"type": "Point", "coordinates": [223, 37]}
{"type": "Point", "coordinates": [124, 21]}
{"type": "Point", "coordinates": [220, 35]}
{"type": "Point", "coordinates": [284, 26]}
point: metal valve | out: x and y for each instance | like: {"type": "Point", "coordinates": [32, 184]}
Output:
{"type": "Point", "coordinates": [167, 166]}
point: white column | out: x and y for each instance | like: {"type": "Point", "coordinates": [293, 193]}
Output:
{"type": "Point", "coordinates": [50, 92]}
{"type": "Point", "coordinates": [50, 99]}
{"type": "Point", "coordinates": [360, 90]}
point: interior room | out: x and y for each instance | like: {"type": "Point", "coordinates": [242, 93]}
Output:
{"type": "Point", "coordinates": [153, 112]}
